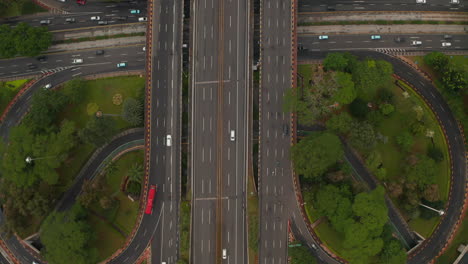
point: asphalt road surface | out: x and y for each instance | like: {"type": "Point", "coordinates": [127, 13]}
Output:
{"type": "Point", "coordinates": [430, 248]}
{"type": "Point", "coordinates": [56, 62]}
{"type": "Point", "coordinates": [219, 136]}
{"type": "Point", "coordinates": [379, 5]}
{"type": "Point", "coordinates": [387, 42]}
{"type": "Point", "coordinates": [112, 13]}
{"type": "Point", "coordinates": [165, 121]}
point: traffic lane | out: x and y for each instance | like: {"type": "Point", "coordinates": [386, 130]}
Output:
{"type": "Point", "coordinates": [93, 6]}
{"type": "Point", "coordinates": [55, 62]}
{"type": "Point", "coordinates": [204, 220]}
{"type": "Point", "coordinates": [55, 22]}
{"type": "Point", "coordinates": [353, 42]}
{"type": "Point", "coordinates": [18, 109]}
{"type": "Point", "coordinates": [376, 5]}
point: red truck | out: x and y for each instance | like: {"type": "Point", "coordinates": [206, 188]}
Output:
{"type": "Point", "coordinates": [81, 2]}
{"type": "Point", "coordinates": [149, 203]}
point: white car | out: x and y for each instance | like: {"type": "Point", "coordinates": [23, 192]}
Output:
{"type": "Point", "coordinates": [446, 44]}
{"type": "Point", "coordinates": [454, 1]}
{"type": "Point", "coordinates": [77, 61]}
{"type": "Point", "coordinates": [47, 86]}
{"type": "Point", "coordinates": [95, 18]}
{"type": "Point", "coordinates": [168, 140]}
{"type": "Point", "coordinates": [224, 253]}
{"type": "Point", "coordinates": [142, 19]}
{"type": "Point", "coordinates": [416, 43]}
{"type": "Point", "coordinates": [420, 1]}
{"type": "Point", "coordinates": [233, 135]}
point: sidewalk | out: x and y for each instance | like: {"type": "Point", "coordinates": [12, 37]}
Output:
{"type": "Point", "coordinates": [372, 16]}
{"type": "Point", "coordinates": [384, 29]}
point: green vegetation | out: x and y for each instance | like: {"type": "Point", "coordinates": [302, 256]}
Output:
{"type": "Point", "coordinates": [300, 255]}
{"type": "Point", "coordinates": [253, 220]}
{"type": "Point", "coordinates": [112, 214]}
{"type": "Point", "coordinates": [184, 231]}
{"type": "Point", "coordinates": [8, 90]}
{"type": "Point", "coordinates": [9, 8]}
{"type": "Point", "coordinates": [23, 40]}
{"type": "Point", "coordinates": [437, 65]}
{"type": "Point", "coordinates": [49, 135]}
{"type": "Point", "coordinates": [66, 236]}
{"type": "Point", "coordinates": [396, 135]}
{"type": "Point", "coordinates": [382, 22]}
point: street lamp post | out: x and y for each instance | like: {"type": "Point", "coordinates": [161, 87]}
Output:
{"type": "Point", "coordinates": [29, 160]}
{"type": "Point", "coordinates": [440, 212]}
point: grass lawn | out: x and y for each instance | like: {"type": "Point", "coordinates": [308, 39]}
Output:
{"type": "Point", "coordinates": [330, 237]}
{"type": "Point", "coordinates": [185, 230]}
{"type": "Point", "coordinates": [107, 240]}
{"type": "Point", "coordinates": [460, 238]}
{"type": "Point", "coordinates": [99, 92]}
{"type": "Point", "coordinates": [124, 213]}
{"type": "Point", "coordinates": [22, 7]}
{"type": "Point", "coordinates": [424, 227]}
{"type": "Point", "coordinates": [9, 90]}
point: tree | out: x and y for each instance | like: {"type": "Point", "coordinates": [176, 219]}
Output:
{"type": "Point", "coordinates": [98, 130]}
{"type": "Point", "coordinates": [387, 108]}
{"type": "Point", "coordinates": [300, 255]}
{"type": "Point", "coordinates": [393, 253]}
{"type": "Point", "coordinates": [405, 141]}
{"type": "Point", "coordinates": [346, 92]}
{"type": "Point", "coordinates": [31, 41]}
{"type": "Point", "coordinates": [45, 106]}
{"type": "Point", "coordinates": [371, 210]}
{"type": "Point", "coordinates": [74, 90]}
{"type": "Point", "coordinates": [88, 194]}
{"type": "Point", "coordinates": [436, 60]}
{"type": "Point", "coordinates": [435, 153]}
{"type": "Point", "coordinates": [134, 188]}
{"type": "Point", "coordinates": [423, 173]}
{"type": "Point", "coordinates": [358, 108]}
{"type": "Point", "coordinates": [335, 61]}
{"type": "Point", "coordinates": [395, 189]}
{"type": "Point", "coordinates": [335, 204]}
{"type": "Point", "coordinates": [431, 193]}
{"type": "Point", "coordinates": [314, 154]}
{"type": "Point", "coordinates": [66, 236]}
{"type": "Point", "coordinates": [359, 244]}
{"type": "Point", "coordinates": [370, 75]}
{"type": "Point", "coordinates": [362, 136]}
{"type": "Point", "coordinates": [340, 123]}
{"type": "Point", "coordinates": [454, 78]}
{"type": "Point", "coordinates": [136, 172]}
{"type": "Point", "coordinates": [132, 111]}
{"type": "Point", "coordinates": [106, 202]}
{"type": "Point", "coordinates": [7, 44]}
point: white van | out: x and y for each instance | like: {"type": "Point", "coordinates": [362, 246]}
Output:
{"type": "Point", "coordinates": [168, 140]}
{"type": "Point", "coordinates": [233, 135]}
{"type": "Point", "coordinates": [224, 253]}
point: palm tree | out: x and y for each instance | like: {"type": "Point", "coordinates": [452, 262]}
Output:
{"type": "Point", "coordinates": [135, 173]}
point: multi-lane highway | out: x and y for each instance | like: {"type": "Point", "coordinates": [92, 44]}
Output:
{"type": "Point", "coordinates": [164, 122]}
{"type": "Point", "coordinates": [111, 13]}
{"type": "Point", "coordinates": [379, 5]}
{"type": "Point", "coordinates": [219, 130]}
{"type": "Point", "coordinates": [387, 42]}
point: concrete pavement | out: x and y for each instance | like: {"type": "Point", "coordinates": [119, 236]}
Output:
{"type": "Point", "coordinates": [383, 16]}
{"type": "Point", "coordinates": [383, 29]}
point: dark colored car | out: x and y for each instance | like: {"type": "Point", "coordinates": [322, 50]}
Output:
{"type": "Point", "coordinates": [285, 129]}
{"type": "Point", "coordinates": [42, 58]}
{"type": "Point", "coordinates": [99, 52]}
{"type": "Point", "coordinates": [32, 66]}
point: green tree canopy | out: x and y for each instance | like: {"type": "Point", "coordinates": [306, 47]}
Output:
{"type": "Point", "coordinates": [370, 75]}
{"type": "Point", "coordinates": [74, 90]}
{"type": "Point", "coordinates": [23, 40]}
{"type": "Point", "coordinates": [436, 60]}
{"type": "Point", "coordinates": [346, 92]}
{"type": "Point", "coordinates": [335, 204]}
{"type": "Point", "coordinates": [98, 130]}
{"type": "Point", "coordinates": [339, 61]}
{"type": "Point", "coordinates": [393, 253]}
{"type": "Point", "coordinates": [359, 244]}
{"type": "Point", "coordinates": [405, 141]}
{"type": "Point", "coordinates": [314, 154]}
{"type": "Point", "coordinates": [66, 236]}
{"type": "Point", "coordinates": [423, 173]}
{"type": "Point", "coordinates": [363, 136]}
{"type": "Point", "coordinates": [387, 109]}
{"type": "Point", "coordinates": [300, 255]}
{"type": "Point", "coordinates": [340, 123]}
{"type": "Point", "coordinates": [132, 111]}
{"type": "Point", "coordinates": [371, 210]}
